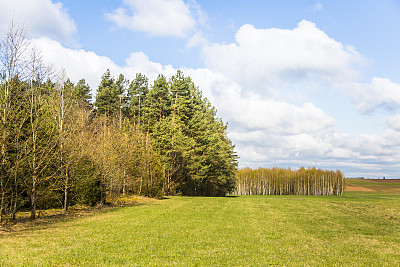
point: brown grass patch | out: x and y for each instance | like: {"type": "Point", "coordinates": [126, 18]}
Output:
{"type": "Point", "coordinates": [373, 185]}
{"type": "Point", "coordinates": [357, 188]}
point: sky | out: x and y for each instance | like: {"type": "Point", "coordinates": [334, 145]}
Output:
{"type": "Point", "coordinates": [299, 82]}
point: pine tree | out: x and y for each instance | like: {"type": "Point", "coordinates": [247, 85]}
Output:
{"type": "Point", "coordinates": [185, 97]}
{"type": "Point", "coordinates": [174, 147]}
{"type": "Point", "coordinates": [111, 99]}
{"type": "Point", "coordinates": [157, 103]}
{"type": "Point", "coordinates": [137, 93]}
{"type": "Point", "coordinates": [197, 156]}
{"type": "Point", "coordinates": [82, 92]}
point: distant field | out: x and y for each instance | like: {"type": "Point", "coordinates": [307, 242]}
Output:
{"type": "Point", "coordinates": [360, 228]}
{"type": "Point", "coordinates": [373, 185]}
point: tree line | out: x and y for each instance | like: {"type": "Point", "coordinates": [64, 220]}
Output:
{"type": "Point", "coordinates": [58, 147]}
{"type": "Point", "coordinates": [279, 181]}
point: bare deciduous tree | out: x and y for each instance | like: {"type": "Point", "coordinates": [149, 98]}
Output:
{"type": "Point", "coordinates": [13, 47]}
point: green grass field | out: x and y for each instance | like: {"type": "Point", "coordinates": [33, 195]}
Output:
{"type": "Point", "coordinates": [360, 228]}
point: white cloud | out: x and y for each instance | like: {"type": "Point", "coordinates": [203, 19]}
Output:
{"type": "Point", "coordinates": [269, 59]}
{"type": "Point", "coordinates": [393, 122]}
{"type": "Point", "coordinates": [254, 112]}
{"type": "Point", "coordinates": [41, 17]}
{"type": "Point", "coordinates": [154, 17]}
{"type": "Point", "coordinates": [264, 129]}
{"type": "Point", "coordinates": [288, 64]}
{"type": "Point", "coordinates": [79, 63]}
{"type": "Point", "coordinates": [197, 40]}
{"type": "Point", "coordinates": [380, 92]}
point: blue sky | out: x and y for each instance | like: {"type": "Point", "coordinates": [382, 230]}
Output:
{"type": "Point", "coordinates": [301, 83]}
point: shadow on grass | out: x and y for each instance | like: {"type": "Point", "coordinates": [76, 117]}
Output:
{"type": "Point", "coordinates": [46, 218]}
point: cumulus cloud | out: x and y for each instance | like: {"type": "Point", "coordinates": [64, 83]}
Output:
{"type": "Point", "coordinates": [171, 18]}
{"type": "Point", "coordinates": [276, 63]}
{"type": "Point", "coordinates": [263, 59]}
{"type": "Point", "coordinates": [380, 92]}
{"type": "Point", "coordinates": [252, 112]}
{"type": "Point", "coordinates": [79, 63]}
{"type": "Point", "coordinates": [41, 17]}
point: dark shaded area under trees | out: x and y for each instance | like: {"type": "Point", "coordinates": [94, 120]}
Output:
{"type": "Point", "coordinates": [58, 149]}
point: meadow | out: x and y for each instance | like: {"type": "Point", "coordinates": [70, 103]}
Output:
{"type": "Point", "coordinates": [359, 228]}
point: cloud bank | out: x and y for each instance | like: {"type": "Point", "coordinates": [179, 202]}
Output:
{"type": "Point", "coordinates": [269, 59]}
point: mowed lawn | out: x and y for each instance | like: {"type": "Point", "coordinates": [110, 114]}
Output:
{"type": "Point", "coordinates": [356, 229]}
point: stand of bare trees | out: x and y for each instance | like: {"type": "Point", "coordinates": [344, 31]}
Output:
{"type": "Point", "coordinates": [279, 181]}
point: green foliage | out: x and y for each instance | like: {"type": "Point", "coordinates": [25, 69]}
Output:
{"type": "Point", "coordinates": [173, 146]}
{"type": "Point", "coordinates": [110, 96]}
{"type": "Point", "coordinates": [213, 162]}
{"type": "Point", "coordinates": [82, 91]}
{"type": "Point", "coordinates": [137, 92]}
{"type": "Point", "coordinates": [12, 131]}
{"type": "Point", "coordinates": [197, 156]}
{"type": "Point", "coordinates": [157, 103]}
{"type": "Point", "coordinates": [89, 189]}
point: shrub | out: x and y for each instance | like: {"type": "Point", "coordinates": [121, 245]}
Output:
{"type": "Point", "coordinates": [89, 189]}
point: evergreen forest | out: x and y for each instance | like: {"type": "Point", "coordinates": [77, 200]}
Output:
{"type": "Point", "coordinates": [58, 147]}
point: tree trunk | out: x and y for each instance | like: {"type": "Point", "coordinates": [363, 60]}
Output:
{"type": "Point", "coordinates": [14, 211]}
{"type": "Point", "coordinates": [2, 199]}
{"type": "Point", "coordinates": [66, 193]}
{"type": "Point", "coordinates": [141, 184]}
{"type": "Point", "coordinates": [33, 196]}
{"type": "Point", "coordinates": [2, 176]}
{"type": "Point", "coordinates": [124, 184]}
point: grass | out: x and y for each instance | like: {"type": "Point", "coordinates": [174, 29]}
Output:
{"type": "Point", "coordinates": [356, 229]}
